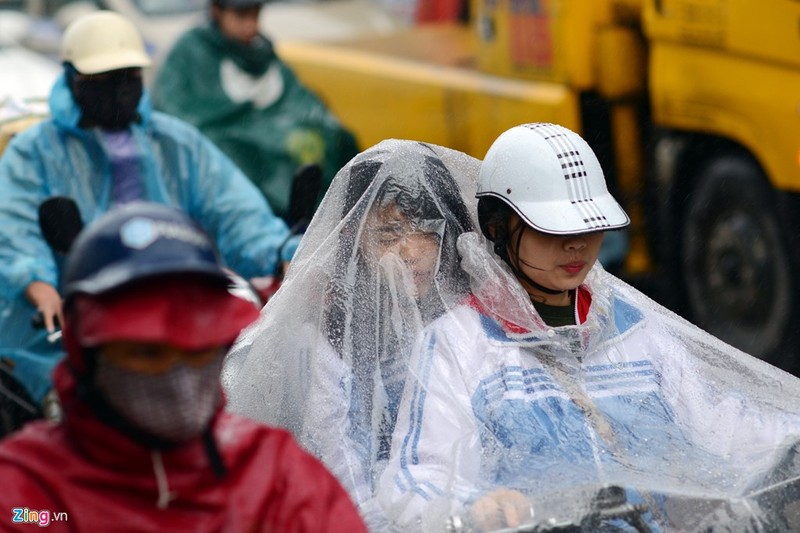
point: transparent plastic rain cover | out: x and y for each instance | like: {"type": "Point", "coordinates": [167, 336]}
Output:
{"type": "Point", "coordinates": [402, 352]}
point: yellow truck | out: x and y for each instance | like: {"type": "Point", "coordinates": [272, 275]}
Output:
{"type": "Point", "coordinates": [692, 106]}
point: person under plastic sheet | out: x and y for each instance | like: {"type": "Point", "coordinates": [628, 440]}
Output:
{"type": "Point", "coordinates": [555, 377]}
{"type": "Point", "coordinates": [378, 262]}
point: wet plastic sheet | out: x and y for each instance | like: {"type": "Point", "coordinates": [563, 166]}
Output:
{"type": "Point", "coordinates": [687, 432]}
{"type": "Point", "coordinates": [329, 356]}
{"type": "Point", "coordinates": [425, 385]}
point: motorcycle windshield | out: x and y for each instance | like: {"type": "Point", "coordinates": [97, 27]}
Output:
{"type": "Point", "coordinates": [403, 353]}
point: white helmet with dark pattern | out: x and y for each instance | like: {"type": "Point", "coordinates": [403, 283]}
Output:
{"type": "Point", "coordinates": [552, 179]}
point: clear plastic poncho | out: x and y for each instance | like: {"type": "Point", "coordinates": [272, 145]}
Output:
{"type": "Point", "coordinates": [426, 388]}
{"type": "Point", "coordinates": [634, 420]}
{"type": "Point", "coordinates": [379, 262]}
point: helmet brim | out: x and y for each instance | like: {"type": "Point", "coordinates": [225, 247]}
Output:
{"type": "Point", "coordinates": [117, 276]}
{"type": "Point", "coordinates": [601, 213]}
{"type": "Point", "coordinates": [114, 60]}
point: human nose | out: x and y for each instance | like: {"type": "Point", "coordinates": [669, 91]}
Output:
{"type": "Point", "coordinates": [575, 243]}
{"type": "Point", "coordinates": [251, 28]}
{"type": "Point", "coordinates": [409, 250]}
{"type": "Point", "coordinates": [415, 246]}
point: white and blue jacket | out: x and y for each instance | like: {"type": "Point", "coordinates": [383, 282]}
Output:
{"type": "Point", "coordinates": [634, 397]}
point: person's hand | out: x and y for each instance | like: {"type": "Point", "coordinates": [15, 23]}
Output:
{"type": "Point", "coordinates": [45, 298]}
{"type": "Point", "coordinates": [501, 508]}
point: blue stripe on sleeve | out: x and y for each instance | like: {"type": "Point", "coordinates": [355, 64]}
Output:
{"type": "Point", "coordinates": [410, 446]}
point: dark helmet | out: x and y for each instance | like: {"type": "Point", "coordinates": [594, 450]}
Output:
{"type": "Point", "coordinates": [139, 240]}
{"type": "Point", "coordinates": [146, 272]}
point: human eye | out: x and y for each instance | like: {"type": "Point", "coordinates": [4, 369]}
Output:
{"type": "Point", "coordinates": [388, 236]}
{"type": "Point", "coordinates": [198, 358]}
{"type": "Point", "coordinates": [138, 357]}
{"type": "Point", "coordinates": [388, 242]}
{"type": "Point", "coordinates": [148, 352]}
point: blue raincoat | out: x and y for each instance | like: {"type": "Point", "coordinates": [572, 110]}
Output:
{"type": "Point", "coordinates": [177, 166]}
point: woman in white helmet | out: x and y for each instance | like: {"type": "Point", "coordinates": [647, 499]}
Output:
{"type": "Point", "coordinates": [555, 379]}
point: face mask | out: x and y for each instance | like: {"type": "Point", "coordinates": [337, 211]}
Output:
{"type": "Point", "coordinates": [174, 406]}
{"type": "Point", "coordinates": [108, 101]}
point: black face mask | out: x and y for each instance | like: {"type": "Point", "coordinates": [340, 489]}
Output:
{"type": "Point", "coordinates": [108, 100]}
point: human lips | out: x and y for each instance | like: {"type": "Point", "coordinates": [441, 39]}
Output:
{"type": "Point", "coordinates": [574, 267]}
{"type": "Point", "coordinates": [420, 275]}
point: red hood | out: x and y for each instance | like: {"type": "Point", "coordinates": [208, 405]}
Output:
{"type": "Point", "coordinates": [104, 481]}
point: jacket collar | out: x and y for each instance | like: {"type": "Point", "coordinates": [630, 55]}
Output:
{"type": "Point", "coordinates": [582, 304]}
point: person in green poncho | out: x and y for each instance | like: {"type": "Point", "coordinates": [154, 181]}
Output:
{"type": "Point", "coordinates": [225, 78]}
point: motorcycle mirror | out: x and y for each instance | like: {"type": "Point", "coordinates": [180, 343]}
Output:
{"type": "Point", "coordinates": [60, 222]}
{"type": "Point", "coordinates": [306, 186]}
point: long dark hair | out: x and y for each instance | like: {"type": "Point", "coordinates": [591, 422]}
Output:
{"type": "Point", "coordinates": [493, 217]}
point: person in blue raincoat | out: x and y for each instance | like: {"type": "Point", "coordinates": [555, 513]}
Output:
{"type": "Point", "coordinates": [103, 146]}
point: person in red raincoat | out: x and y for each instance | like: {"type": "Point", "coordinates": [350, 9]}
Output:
{"type": "Point", "coordinates": [145, 443]}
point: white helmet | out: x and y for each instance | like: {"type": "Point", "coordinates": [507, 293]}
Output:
{"type": "Point", "coordinates": [551, 177]}
{"type": "Point", "coordinates": [103, 41]}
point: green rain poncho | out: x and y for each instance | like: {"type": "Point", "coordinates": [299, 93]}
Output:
{"type": "Point", "coordinates": [251, 105]}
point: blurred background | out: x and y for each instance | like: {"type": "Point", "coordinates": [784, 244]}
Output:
{"type": "Point", "coordinates": [692, 106]}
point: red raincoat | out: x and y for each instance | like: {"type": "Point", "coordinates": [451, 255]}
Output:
{"type": "Point", "coordinates": [91, 477]}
